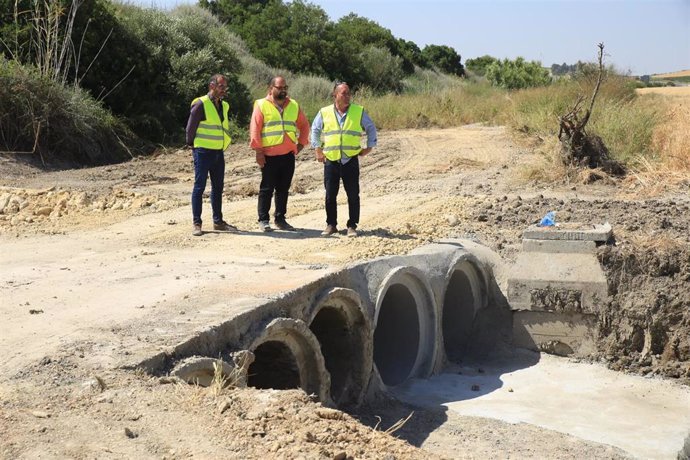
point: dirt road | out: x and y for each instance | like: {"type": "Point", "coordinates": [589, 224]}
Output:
{"type": "Point", "coordinates": [99, 266]}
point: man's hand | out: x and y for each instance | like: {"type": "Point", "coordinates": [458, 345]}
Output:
{"type": "Point", "coordinates": [365, 151]}
{"type": "Point", "coordinates": [319, 155]}
{"type": "Point", "coordinates": [260, 159]}
{"type": "Point", "coordinates": [299, 148]}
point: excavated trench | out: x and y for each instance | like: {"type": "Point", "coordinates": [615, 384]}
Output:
{"type": "Point", "coordinates": [382, 326]}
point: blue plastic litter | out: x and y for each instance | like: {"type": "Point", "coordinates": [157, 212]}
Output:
{"type": "Point", "coordinates": [549, 220]}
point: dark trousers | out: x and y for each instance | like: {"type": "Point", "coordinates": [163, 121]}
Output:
{"type": "Point", "coordinates": [276, 175]}
{"type": "Point", "coordinates": [208, 163]}
{"type": "Point", "coordinates": [333, 172]}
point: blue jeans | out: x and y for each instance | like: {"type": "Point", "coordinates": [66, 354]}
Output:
{"type": "Point", "coordinates": [208, 163]}
{"type": "Point", "coordinates": [333, 172]}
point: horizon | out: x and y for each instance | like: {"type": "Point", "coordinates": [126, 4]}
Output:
{"type": "Point", "coordinates": [641, 37]}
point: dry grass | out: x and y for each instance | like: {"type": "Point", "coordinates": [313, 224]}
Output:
{"type": "Point", "coordinates": [670, 168]}
{"type": "Point", "coordinates": [547, 165]}
{"type": "Point", "coordinates": [672, 137]}
{"type": "Point", "coordinates": [649, 241]}
{"type": "Point", "coordinates": [680, 91]}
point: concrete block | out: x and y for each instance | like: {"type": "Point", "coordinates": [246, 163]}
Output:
{"type": "Point", "coordinates": [559, 246]}
{"type": "Point", "coordinates": [559, 282]}
{"type": "Point", "coordinates": [570, 232]}
{"type": "Point", "coordinates": [561, 334]}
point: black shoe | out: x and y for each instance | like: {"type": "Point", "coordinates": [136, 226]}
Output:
{"type": "Point", "coordinates": [224, 227]}
{"type": "Point", "coordinates": [284, 226]}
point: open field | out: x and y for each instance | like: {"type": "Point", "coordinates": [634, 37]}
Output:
{"type": "Point", "coordinates": [675, 91]}
{"type": "Point", "coordinates": [682, 73]}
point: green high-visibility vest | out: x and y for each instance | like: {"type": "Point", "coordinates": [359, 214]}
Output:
{"type": "Point", "coordinates": [337, 140]}
{"type": "Point", "coordinates": [211, 133]}
{"type": "Point", "coordinates": [276, 124]}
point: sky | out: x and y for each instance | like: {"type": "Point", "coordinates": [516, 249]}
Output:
{"type": "Point", "coordinates": [642, 37]}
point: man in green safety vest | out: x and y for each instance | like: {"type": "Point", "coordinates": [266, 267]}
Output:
{"type": "Point", "coordinates": [278, 131]}
{"type": "Point", "coordinates": [208, 132]}
{"type": "Point", "coordinates": [336, 134]}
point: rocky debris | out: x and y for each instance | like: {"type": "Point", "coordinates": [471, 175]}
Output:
{"type": "Point", "coordinates": [37, 208]}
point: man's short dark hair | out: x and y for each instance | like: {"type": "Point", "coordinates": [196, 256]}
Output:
{"type": "Point", "coordinates": [214, 79]}
{"type": "Point", "coordinates": [272, 83]}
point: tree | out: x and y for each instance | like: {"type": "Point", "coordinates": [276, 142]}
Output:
{"type": "Point", "coordinates": [445, 58]}
{"type": "Point", "coordinates": [361, 33]}
{"type": "Point", "coordinates": [383, 71]}
{"type": "Point", "coordinates": [480, 64]}
{"type": "Point", "coordinates": [234, 12]}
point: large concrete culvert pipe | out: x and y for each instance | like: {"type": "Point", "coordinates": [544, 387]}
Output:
{"type": "Point", "coordinates": [344, 333]}
{"type": "Point", "coordinates": [465, 294]}
{"type": "Point", "coordinates": [405, 331]}
{"type": "Point", "coordinates": [287, 355]}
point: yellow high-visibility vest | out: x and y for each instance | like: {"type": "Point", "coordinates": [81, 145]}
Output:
{"type": "Point", "coordinates": [276, 124]}
{"type": "Point", "coordinates": [211, 133]}
{"type": "Point", "coordinates": [345, 139]}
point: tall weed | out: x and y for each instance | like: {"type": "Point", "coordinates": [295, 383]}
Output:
{"type": "Point", "coordinates": [64, 123]}
{"type": "Point", "coordinates": [454, 106]}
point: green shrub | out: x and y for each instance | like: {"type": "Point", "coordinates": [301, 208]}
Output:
{"type": "Point", "coordinates": [381, 69]}
{"type": "Point", "coordinates": [311, 92]}
{"type": "Point", "coordinates": [428, 81]}
{"type": "Point", "coordinates": [72, 128]}
{"type": "Point", "coordinates": [179, 51]}
{"type": "Point", "coordinates": [479, 65]}
{"type": "Point", "coordinates": [517, 74]}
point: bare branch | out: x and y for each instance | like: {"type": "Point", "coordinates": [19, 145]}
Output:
{"type": "Point", "coordinates": [96, 56]}
{"type": "Point", "coordinates": [118, 84]}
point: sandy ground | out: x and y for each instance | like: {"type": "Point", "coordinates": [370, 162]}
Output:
{"type": "Point", "coordinates": [98, 266]}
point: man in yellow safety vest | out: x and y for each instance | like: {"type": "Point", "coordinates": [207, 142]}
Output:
{"type": "Point", "coordinates": [208, 132]}
{"type": "Point", "coordinates": [278, 131]}
{"type": "Point", "coordinates": [336, 134]}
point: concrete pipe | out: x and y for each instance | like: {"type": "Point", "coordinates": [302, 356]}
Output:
{"type": "Point", "coordinates": [344, 333]}
{"type": "Point", "coordinates": [465, 294]}
{"type": "Point", "coordinates": [405, 327]}
{"type": "Point", "coordinates": [287, 355]}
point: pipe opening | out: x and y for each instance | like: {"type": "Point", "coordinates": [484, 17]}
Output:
{"type": "Point", "coordinates": [274, 367]}
{"type": "Point", "coordinates": [458, 315]}
{"type": "Point", "coordinates": [338, 346]}
{"type": "Point", "coordinates": [397, 335]}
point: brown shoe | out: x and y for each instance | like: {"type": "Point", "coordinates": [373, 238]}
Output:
{"type": "Point", "coordinates": [330, 229]}
{"type": "Point", "coordinates": [223, 226]}
{"type": "Point", "coordinates": [197, 230]}
{"type": "Point", "coordinates": [351, 232]}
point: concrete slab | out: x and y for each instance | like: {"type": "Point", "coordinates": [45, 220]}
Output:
{"type": "Point", "coordinates": [649, 418]}
{"type": "Point", "coordinates": [560, 282]}
{"type": "Point", "coordinates": [570, 232]}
